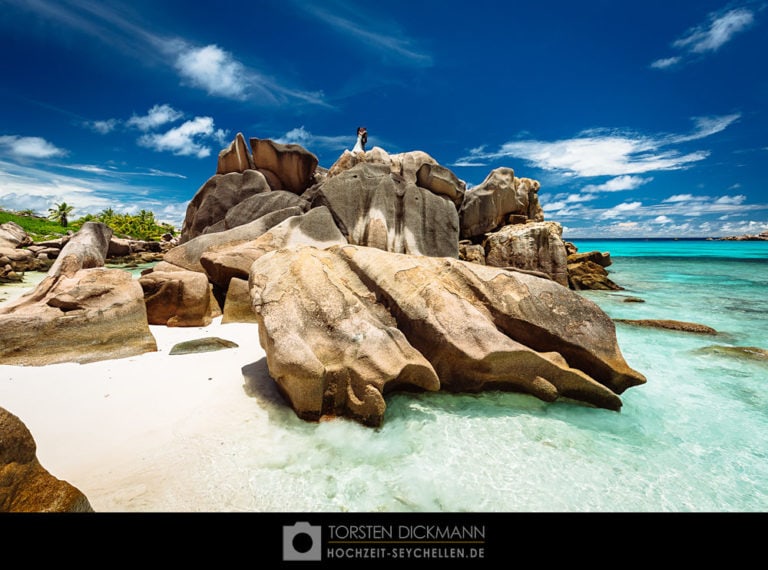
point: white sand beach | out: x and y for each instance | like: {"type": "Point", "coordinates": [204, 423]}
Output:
{"type": "Point", "coordinates": [154, 432]}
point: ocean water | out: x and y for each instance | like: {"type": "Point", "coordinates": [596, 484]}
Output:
{"type": "Point", "coordinates": [693, 439]}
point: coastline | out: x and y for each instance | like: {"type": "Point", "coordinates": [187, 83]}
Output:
{"type": "Point", "coordinates": [132, 433]}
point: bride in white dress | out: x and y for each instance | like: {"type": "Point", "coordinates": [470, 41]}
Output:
{"type": "Point", "coordinates": [362, 138]}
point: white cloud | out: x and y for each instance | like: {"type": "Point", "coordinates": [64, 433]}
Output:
{"type": "Point", "coordinates": [308, 140]}
{"type": "Point", "coordinates": [720, 30]}
{"type": "Point", "coordinates": [685, 198]}
{"type": "Point", "coordinates": [29, 147]}
{"type": "Point", "coordinates": [157, 116]}
{"type": "Point", "coordinates": [598, 152]}
{"type": "Point", "coordinates": [219, 73]}
{"type": "Point", "coordinates": [666, 62]}
{"type": "Point", "coordinates": [705, 127]}
{"type": "Point", "coordinates": [708, 37]}
{"type": "Point", "coordinates": [621, 210]}
{"type": "Point", "coordinates": [618, 184]}
{"type": "Point", "coordinates": [214, 70]}
{"type": "Point", "coordinates": [187, 139]}
{"type": "Point", "coordinates": [103, 127]}
{"type": "Point", "coordinates": [662, 220]}
{"type": "Point", "coordinates": [731, 199]}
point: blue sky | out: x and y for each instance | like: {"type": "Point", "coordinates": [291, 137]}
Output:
{"type": "Point", "coordinates": [638, 118]}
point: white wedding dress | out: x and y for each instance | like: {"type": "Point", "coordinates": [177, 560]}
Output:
{"type": "Point", "coordinates": [359, 144]}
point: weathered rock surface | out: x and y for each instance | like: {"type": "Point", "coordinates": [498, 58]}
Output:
{"type": "Point", "coordinates": [80, 312]}
{"type": "Point", "coordinates": [471, 252]}
{"type": "Point", "coordinates": [236, 157]}
{"type": "Point", "coordinates": [96, 314]}
{"type": "Point", "coordinates": [178, 298]}
{"type": "Point", "coordinates": [485, 207]}
{"type": "Point", "coordinates": [234, 259]}
{"type": "Point", "coordinates": [669, 324]}
{"type": "Point", "coordinates": [237, 304]}
{"type": "Point", "coordinates": [590, 275]}
{"type": "Point", "coordinates": [25, 485]}
{"type": "Point", "coordinates": [405, 164]}
{"type": "Point", "coordinates": [331, 348]}
{"type": "Point", "coordinates": [12, 235]}
{"type": "Point", "coordinates": [187, 255]}
{"type": "Point", "coordinates": [324, 314]}
{"type": "Point", "coordinates": [212, 201]}
{"type": "Point", "coordinates": [534, 246]}
{"type": "Point", "coordinates": [442, 181]}
{"type": "Point", "coordinates": [260, 205]}
{"type": "Point", "coordinates": [293, 165]}
{"type": "Point", "coordinates": [375, 208]}
{"type": "Point", "coordinates": [603, 259]}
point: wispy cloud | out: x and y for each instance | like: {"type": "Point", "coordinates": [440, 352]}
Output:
{"type": "Point", "coordinates": [709, 37]}
{"type": "Point", "coordinates": [309, 140]}
{"type": "Point", "coordinates": [102, 127]}
{"type": "Point", "coordinates": [188, 139]}
{"type": "Point", "coordinates": [599, 152]}
{"type": "Point", "coordinates": [157, 116]}
{"type": "Point", "coordinates": [220, 73]}
{"type": "Point", "coordinates": [29, 147]}
{"type": "Point", "coordinates": [372, 31]}
{"type": "Point", "coordinates": [618, 184]}
{"type": "Point", "coordinates": [207, 67]}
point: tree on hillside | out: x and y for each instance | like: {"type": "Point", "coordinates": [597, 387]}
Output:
{"type": "Point", "coordinates": [60, 213]}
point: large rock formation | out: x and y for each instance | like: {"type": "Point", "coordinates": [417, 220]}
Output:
{"type": "Point", "coordinates": [80, 312]}
{"type": "Point", "coordinates": [501, 194]}
{"type": "Point", "coordinates": [234, 259]}
{"type": "Point", "coordinates": [375, 208]}
{"type": "Point", "coordinates": [178, 298]}
{"type": "Point", "coordinates": [207, 210]}
{"type": "Point", "coordinates": [291, 165]}
{"type": "Point", "coordinates": [25, 485]}
{"type": "Point", "coordinates": [536, 246]}
{"type": "Point", "coordinates": [342, 324]}
{"type": "Point", "coordinates": [236, 157]}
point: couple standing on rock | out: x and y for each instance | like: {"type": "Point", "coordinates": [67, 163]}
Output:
{"type": "Point", "coordinates": [362, 138]}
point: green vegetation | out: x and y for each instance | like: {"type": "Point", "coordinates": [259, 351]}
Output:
{"type": "Point", "coordinates": [60, 213]}
{"type": "Point", "coordinates": [141, 226]}
{"type": "Point", "coordinates": [39, 229]}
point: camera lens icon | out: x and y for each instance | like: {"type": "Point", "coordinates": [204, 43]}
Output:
{"type": "Point", "coordinates": [302, 542]}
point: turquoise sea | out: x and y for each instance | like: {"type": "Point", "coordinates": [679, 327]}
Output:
{"type": "Point", "coordinates": [693, 439]}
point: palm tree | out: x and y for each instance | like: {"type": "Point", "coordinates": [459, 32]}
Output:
{"type": "Point", "coordinates": [59, 213]}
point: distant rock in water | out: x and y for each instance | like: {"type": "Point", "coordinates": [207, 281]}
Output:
{"type": "Point", "coordinates": [208, 344]}
{"type": "Point", "coordinates": [762, 236]}
{"type": "Point", "coordinates": [748, 352]}
{"type": "Point", "coordinates": [633, 300]}
{"type": "Point", "coordinates": [669, 325]}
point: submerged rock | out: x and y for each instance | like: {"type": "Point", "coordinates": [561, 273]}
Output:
{"type": "Point", "coordinates": [747, 352]}
{"type": "Point", "coordinates": [208, 344]}
{"type": "Point", "coordinates": [669, 325]}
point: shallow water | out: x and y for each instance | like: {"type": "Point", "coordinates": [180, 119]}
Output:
{"type": "Point", "coordinates": [694, 438]}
